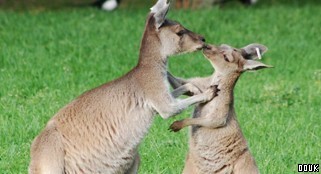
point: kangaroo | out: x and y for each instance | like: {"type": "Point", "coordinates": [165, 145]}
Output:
{"type": "Point", "coordinates": [100, 131]}
{"type": "Point", "coordinates": [217, 144]}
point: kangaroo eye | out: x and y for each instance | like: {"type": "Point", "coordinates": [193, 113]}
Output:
{"type": "Point", "coordinates": [180, 33]}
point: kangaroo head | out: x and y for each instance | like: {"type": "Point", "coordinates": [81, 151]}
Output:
{"type": "Point", "coordinates": [173, 38]}
{"type": "Point", "coordinates": [226, 59]}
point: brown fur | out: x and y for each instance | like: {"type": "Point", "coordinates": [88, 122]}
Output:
{"type": "Point", "coordinates": [100, 131]}
{"type": "Point", "coordinates": [217, 144]}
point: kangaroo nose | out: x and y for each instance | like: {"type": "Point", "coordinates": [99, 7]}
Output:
{"type": "Point", "coordinates": [202, 38]}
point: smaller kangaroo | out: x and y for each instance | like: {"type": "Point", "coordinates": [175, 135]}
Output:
{"type": "Point", "coordinates": [217, 144]}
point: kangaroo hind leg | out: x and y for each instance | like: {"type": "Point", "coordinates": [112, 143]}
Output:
{"type": "Point", "coordinates": [47, 154]}
{"type": "Point", "coordinates": [246, 164]}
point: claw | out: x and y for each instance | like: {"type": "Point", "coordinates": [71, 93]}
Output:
{"type": "Point", "coordinates": [175, 126]}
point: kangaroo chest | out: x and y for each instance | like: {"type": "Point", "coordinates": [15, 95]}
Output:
{"type": "Point", "coordinates": [215, 149]}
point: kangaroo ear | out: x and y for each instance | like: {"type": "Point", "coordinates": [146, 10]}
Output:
{"type": "Point", "coordinates": [253, 51]}
{"type": "Point", "coordinates": [160, 10]}
{"type": "Point", "coordinates": [252, 65]}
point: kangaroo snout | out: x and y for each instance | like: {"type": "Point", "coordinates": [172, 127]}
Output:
{"type": "Point", "coordinates": [202, 39]}
{"type": "Point", "coordinates": [206, 47]}
{"type": "Point", "coordinates": [209, 49]}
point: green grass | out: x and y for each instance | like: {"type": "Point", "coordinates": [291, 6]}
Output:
{"type": "Point", "coordinates": [47, 58]}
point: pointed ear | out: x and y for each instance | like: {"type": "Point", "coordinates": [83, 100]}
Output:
{"type": "Point", "coordinates": [253, 51]}
{"type": "Point", "coordinates": [160, 10]}
{"type": "Point", "coordinates": [252, 65]}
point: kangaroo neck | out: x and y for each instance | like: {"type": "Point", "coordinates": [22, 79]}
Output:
{"type": "Point", "coordinates": [226, 84]}
{"type": "Point", "coordinates": [150, 50]}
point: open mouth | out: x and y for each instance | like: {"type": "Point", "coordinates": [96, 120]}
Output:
{"type": "Point", "coordinates": [206, 47]}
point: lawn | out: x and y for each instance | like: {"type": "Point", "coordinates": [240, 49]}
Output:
{"type": "Point", "coordinates": [49, 57]}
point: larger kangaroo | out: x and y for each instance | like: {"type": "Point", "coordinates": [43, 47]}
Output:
{"type": "Point", "coordinates": [99, 132]}
{"type": "Point", "coordinates": [217, 145]}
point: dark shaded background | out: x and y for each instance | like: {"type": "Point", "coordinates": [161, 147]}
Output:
{"type": "Point", "coordinates": [58, 4]}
